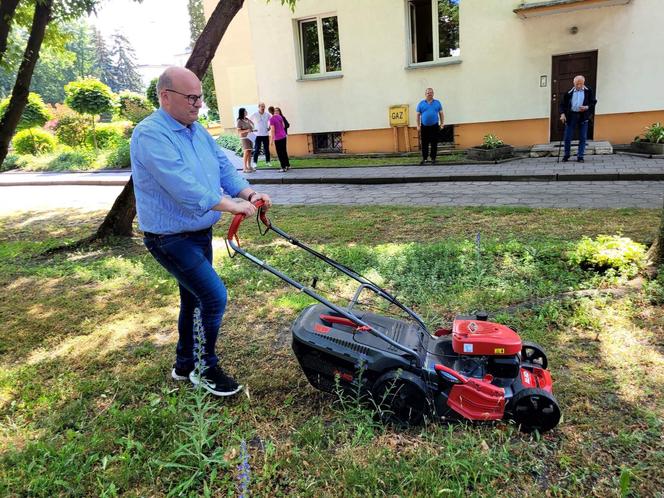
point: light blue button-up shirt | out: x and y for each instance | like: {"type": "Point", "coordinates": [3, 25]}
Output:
{"type": "Point", "coordinates": [179, 174]}
{"type": "Point", "coordinates": [577, 99]}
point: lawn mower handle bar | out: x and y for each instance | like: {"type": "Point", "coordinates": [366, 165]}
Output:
{"type": "Point", "coordinates": [233, 241]}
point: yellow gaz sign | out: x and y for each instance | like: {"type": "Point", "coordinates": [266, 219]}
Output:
{"type": "Point", "coordinates": [399, 115]}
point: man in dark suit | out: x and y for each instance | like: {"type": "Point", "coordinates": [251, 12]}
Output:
{"type": "Point", "coordinates": [577, 107]}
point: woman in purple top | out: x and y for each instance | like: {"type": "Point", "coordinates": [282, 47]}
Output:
{"type": "Point", "coordinates": [278, 135]}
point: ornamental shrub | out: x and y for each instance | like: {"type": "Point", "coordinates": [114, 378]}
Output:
{"type": "Point", "coordinates": [133, 107]}
{"type": "Point", "coordinates": [230, 142]}
{"type": "Point", "coordinates": [34, 115]}
{"type": "Point", "coordinates": [89, 96]}
{"type": "Point", "coordinates": [33, 141]}
{"type": "Point", "coordinates": [610, 252]}
{"type": "Point", "coordinates": [109, 134]}
{"type": "Point", "coordinates": [72, 129]}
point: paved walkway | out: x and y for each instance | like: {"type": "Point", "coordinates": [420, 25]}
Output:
{"type": "Point", "coordinates": [614, 167]}
{"type": "Point", "coordinates": [615, 181]}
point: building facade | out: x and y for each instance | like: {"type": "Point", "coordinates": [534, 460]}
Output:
{"type": "Point", "coordinates": [336, 67]}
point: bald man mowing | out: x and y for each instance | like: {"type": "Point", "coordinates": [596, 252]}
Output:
{"type": "Point", "coordinates": [183, 182]}
{"type": "Point", "coordinates": [576, 109]}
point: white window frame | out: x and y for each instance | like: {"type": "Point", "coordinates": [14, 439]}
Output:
{"type": "Point", "coordinates": [324, 73]}
{"type": "Point", "coordinates": [437, 60]}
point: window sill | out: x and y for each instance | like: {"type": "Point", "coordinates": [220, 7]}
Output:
{"type": "Point", "coordinates": [449, 61]}
{"type": "Point", "coordinates": [321, 77]}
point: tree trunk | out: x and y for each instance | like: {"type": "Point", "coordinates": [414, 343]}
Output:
{"type": "Point", "coordinates": [19, 97]}
{"type": "Point", "coordinates": [213, 32]}
{"type": "Point", "coordinates": [7, 9]}
{"type": "Point", "coordinates": [655, 255]}
{"type": "Point", "coordinates": [119, 219]}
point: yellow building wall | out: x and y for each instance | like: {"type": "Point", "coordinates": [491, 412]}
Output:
{"type": "Point", "coordinates": [493, 88]}
{"type": "Point", "coordinates": [622, 128]}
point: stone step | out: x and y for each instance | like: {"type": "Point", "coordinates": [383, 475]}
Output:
{"type": "Point", "coordinates": [599, 147]}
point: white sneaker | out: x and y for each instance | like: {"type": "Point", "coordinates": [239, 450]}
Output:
{"type": "Point", "coordinates": [253, 166]}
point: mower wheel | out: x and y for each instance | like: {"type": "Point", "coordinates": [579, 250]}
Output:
{"type": "Point", "coordinates": [534, 354]}
{"type": "Point", "coordinates": [401, 398]}
{"type": "Point", "coordinates": [534, 410]}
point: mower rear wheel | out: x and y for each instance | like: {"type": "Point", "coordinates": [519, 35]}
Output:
{"type": "Point", "coordinates": [534, 354]}
{"type": "Point", "coordinates": [401, 398]}
{"type": "Point", "coordinates": [534, 410]}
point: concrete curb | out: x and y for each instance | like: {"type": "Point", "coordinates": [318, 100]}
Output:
{"type": "Point", "coordinates": [357, 180]}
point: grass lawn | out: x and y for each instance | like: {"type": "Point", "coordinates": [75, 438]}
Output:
{"type": "Point", "coordinates": [354, 162]}
{"type": "Point", "coordinates": [87, 407]}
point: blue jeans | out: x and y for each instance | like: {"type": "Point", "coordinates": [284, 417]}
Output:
{"type": "Point", "coordinates": [188, 257]}
{"type": "Point", "coordinates": [574, 120]}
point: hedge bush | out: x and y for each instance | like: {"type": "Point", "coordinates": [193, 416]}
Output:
{"type": "Point", "coordinates": [33, 141]}
{"type": "Point", "coordinates": [230, 142]}
{"type": "Point", "coordinates": [109, 134]}
{"type": "Point", "coordinates": [72, 160]}
{"type": "Point", "coordinates": [610, 253]}
{"type": "Point", "coordinates": [119, 157]}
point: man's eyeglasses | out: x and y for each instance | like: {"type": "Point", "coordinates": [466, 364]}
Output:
{"type": "Point", "coordinates": [192, 99]}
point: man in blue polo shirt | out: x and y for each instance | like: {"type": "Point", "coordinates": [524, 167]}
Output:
{"type": "Point", "coordinates": [430, 120]}
{"type": "Point", "coordinates": [182, 183]}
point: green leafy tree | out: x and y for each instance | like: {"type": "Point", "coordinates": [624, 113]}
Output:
{"type": "Point", "coordinates": [151, 93]}
{"type": "Point", "coordinates": [35, 113]}
{"type": "Point", "coordinates": [89, 96]}
{"type": "Point", "coordinates": [133, 106]}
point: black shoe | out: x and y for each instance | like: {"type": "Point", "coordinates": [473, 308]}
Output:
{"type": "Point", "coordinates": [433, 161]}
{"type": "Point", "coordinates": [565, 159]}
{"type": "Point", "coordinates": [216, 382]}
{"type": "Point", "coordinates": [422, 162]}
{"type": "Point", "coordinates": [580, 160]}
{"type": "Point", "coordinates": [180, 374]}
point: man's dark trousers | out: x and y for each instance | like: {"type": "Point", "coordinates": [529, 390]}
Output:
{"type": "Point", "coordinates": [188, 257]}
{"type": "Point", "coordinates": [266, 148]}
{"type": "Point", "coordinates": [576, 119]}
{"type": "Point", "coordinates": [429, 135]}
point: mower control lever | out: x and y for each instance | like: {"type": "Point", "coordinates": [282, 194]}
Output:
{"type": "Point", "coordinates": [238, 218]}
{"type": "Point", "coordinates": [449, 372]}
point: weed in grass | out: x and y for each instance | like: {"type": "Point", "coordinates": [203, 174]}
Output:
{"type": "Point", "coordinates": [198, 455]}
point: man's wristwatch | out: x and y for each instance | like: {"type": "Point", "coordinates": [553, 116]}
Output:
{"type": "Point", "coordinates": [251, 196]}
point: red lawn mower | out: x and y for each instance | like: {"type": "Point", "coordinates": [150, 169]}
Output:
{"type": "Point", "coordinates": [476, 370]}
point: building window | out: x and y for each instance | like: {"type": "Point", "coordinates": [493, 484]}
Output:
{"type": "Point", "coordinates": [433, 37]}
{"type": "Point", "coordinates": [319, 41]}
{"type": "Point", "coordinates": [327, 142]}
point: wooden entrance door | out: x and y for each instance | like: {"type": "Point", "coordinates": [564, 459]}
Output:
{"type": "Point", "coordinates": [564, 68]}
